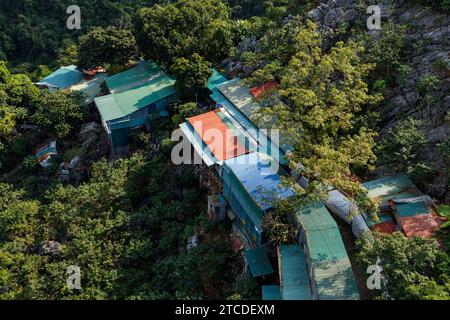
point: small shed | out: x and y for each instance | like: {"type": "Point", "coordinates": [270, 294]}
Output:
{"type": "Point", "coordinates": [69, 78]}
{"type": "Point", "coordinates": [45, 153]}
{"type": "Point", "coordinates": [63, 78]}
{"type": "Point", "coordinates": [403, 206]}
{"type": "Point", "coordinates": [217, 208]}
{"type": "Point", "coordinates": [294, 280]}
{"type": "Point", "coordinates": [258, 262]}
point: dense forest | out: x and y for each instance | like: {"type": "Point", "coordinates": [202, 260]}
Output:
{"type": "Point", "coordinates": [126, 221]}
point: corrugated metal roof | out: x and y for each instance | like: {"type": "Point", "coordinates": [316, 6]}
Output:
{"type": "Point", "coordinates": [200, 147]}
{"type": "Point", "coordinates": [332, 269]}
{"type": "Point", "coordinates": [385, 227]}
{"type": "Point", "coordinates": [216, 79]}
{"type": "Point", "coordinates": [258, 262]}
{"type": "Point", "coordinates": [335, 280]}
{"type": "Point", "coordinates": [416, 215]}
{"type": "Point", "coordinates": [63, 78]}
{"type": "Point", "coordinates": [265, 144]}
{"type": "Point", "coordinates": [134, 89]}
{"type": "Point", "coordinates": [133, 77]}
{"type": "Point", "coordinates": [259, 178]}
{"type": "Point", "coordinates": [271, 292]}
{"type": "Point", "coordinates": [412, 209]}
{"type": "Point", "coordinates": [314, 217]}
{"type": "Point", "coordinates": [108, 108]}
{"type": "Point", "coordinates": [294, 281]}
{"type": "Point", "coordinates": [90, 88]}
{"type": "Point", "coordinates": [393, 187]}
{"type": "Point", "coordinates": [423, 225]}
{"type": "Point", "coordinates": [240, 96]}
{"type": "Point", "coordinates": [217, 135]}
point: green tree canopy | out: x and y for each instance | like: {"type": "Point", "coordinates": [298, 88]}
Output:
{"type": "Point", "coordinates": [324, 91]}
{"type": "Point", "coordinates": [106, 46]}
{"type": "Point", "coordinates": [17, 89]}
{"type": "Point", "coordinates": [59, 112]}
{"type": "Point", "coordinates": [170, 31]}
{"type": "Point", "coordinates": [414, 268]}
{"type": "Point", "coordinates": [192, 74]}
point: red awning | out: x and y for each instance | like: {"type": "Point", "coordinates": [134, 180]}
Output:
{"type": "Point", "coordinates": [222, 142]}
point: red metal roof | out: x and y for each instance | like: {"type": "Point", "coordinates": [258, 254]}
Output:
{"type": "Point", "coordinates": [385, 227]}
{"type": "Point", "coordinates": [217, 136]}
{"type": "Point", "coordinates": [422, 225]}
{"type": "Point", "coordinates": [258, 91]}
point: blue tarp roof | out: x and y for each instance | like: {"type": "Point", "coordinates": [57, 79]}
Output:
{"type": "Point", "coordinates": [293, 275]}
{"type": "Point", "coordinates": [259, 178]}
{"type": "Point", "coordinates": [258, 262]}
{"type": "Point", "coordinates": [63, 78]}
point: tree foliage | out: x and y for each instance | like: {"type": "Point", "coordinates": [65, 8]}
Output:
{"type": "Point", "coordinates": [106, 46]}
{"type": "Point", "coordinates": [192, 74]}
{"type": "Point", "coordinates": [17, 89]}
{"type": "Point", "coordinates": [167, 32]}
{"type": "Point", "coordinates": [126, 228]}
{"type": "Point", "coordinates": [324, 91]}
{"type": "Point", "coordinates": [36, 30]}
{"type": "Point", "coordinates": [401, 149]}
{"type": "Point", "coordinates": [59, 112]}
{"type": "Point", "coordinates": [414, 268]}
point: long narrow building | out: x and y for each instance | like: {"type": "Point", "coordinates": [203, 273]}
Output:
{"type": "Point", "coordinates": [250, 166]}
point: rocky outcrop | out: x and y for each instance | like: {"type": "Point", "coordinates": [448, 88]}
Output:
{"type": "Point", "coordinates": [428, 37]}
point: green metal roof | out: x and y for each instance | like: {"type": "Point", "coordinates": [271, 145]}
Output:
{"type": "Point", "coordinates": [240, 96]}
{"type": "Point", "coordinates": [134, 89]}
{"type": "Point", "coordinates": [258, 262]}
{"type": "Point", "coordinates": [332, 271]}
{"type": "Point", "coordinates": [393, 187]}
{"type": "Point", "coordinates": [315, 216]}
{"type": "Point", "coordinates": [412, 209]}
{"type": "Point", "coordinates": [63, 78]}
{"type": "Point", "coordinates": [271, 292]}
{"type": "Point", "coordinates": [294, 281]}
{"type": "Point", "coordinates": [326, 245]}
{"type": "Point", "coordinates": [335, 280]}
{"type": "Point", "coordinates": [108, 108]}
{"type": "Point", "coordinates": [216, 79]}
{"type": "Point", "coordinates": [135, 76]}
